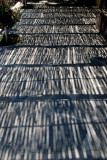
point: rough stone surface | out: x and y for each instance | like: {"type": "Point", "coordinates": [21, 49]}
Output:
{"type": "Point", "coordinates": [53, 100]}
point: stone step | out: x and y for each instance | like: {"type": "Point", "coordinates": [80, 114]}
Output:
{"type": "Point", "coordinates": [64, 40]}
{"type": "Point", "coordinates": [38, 81]}
{"type": "Point", "coordinates": [53, 29]}
{"type": "Point", "coordinates": [35, 14]}
{"type": "Point", "coordinates": [56, 21]}
{"type": "Point", "coordinates": [48, 9]}
{"type": "Point", "coordinates": [44, 57]}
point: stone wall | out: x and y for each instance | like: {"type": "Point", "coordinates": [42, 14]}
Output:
{"type": "Point", "coordinates": [101, 23]}
{"type": "Point", "coordinates": [103, 28]}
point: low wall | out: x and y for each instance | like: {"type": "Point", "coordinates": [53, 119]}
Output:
{"type": "Point", "coordinates": [101, 23]}
{"type": "Point", "coordinates": [98, 3]}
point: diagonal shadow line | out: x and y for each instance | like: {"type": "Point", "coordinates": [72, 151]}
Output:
{"type": "Point", "coordinates": [54, 79]}
{"type": "Point", "coordinates": [63, 124]}
{"type": "Point", "coordinates": [54, 97]}
{"type": "Point", "coordinates": [96, 33]}
{"type": "Point", "coordinates": [50, 65]}
{"type": "Point", "coordinates": [52, 46]}
{"type": "Point", "coordinates": [58, 17]}
{"type": "Point", "coordinates": [55, 24]}
{"type": "Point", "coordinates": [56, 46]}
{"type": "Point", "coordinates": [23, 15]}
{"type": "Point", "coordinates": [71, 10]}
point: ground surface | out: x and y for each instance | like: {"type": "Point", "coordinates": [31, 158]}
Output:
{"type": "Point", "coordinates": [53, 100]}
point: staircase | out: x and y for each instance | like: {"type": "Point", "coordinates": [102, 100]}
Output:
{"type": "Point", "coordinates": [53, 97]}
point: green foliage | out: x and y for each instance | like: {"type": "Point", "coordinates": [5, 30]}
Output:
{"type": "Point", "coordinates": [7, 16]}
{"type": "Point", "coordinates": [1, 37]}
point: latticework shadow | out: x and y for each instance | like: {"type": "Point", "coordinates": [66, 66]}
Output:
{"type": "Point", "coordinates": [53, 99]}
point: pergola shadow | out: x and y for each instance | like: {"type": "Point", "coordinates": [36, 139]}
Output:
{"type": "Point", "coordinates": [53, 99]}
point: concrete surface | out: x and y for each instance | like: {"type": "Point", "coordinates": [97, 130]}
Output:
{"type": "Point", "coordinates": [53, 100]}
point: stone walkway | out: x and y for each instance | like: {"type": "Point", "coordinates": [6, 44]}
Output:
{"type": "Point", "coordinates": [53, 98]}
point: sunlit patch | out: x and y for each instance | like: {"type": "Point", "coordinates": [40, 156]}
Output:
{"type": "Point", "coordinates": [52, 3]}
{"type": "Point", "coordinates": [43, 2]}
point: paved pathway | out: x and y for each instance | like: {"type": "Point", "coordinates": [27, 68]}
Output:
{"type": "Point", "coordinates": [53, 99]}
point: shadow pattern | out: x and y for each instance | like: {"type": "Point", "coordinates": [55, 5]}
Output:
{"type": "Point", "coordinates": [53, 100]}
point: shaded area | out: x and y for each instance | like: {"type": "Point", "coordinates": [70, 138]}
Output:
{"type": "Point", "coordinates": [99, 61]}
{"type": "Point", "coordinates": [71, 2]}
{"type": "Point", "coordinates": [12, 39]}
{"type": "Point", "coordinates": [29, 6]}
